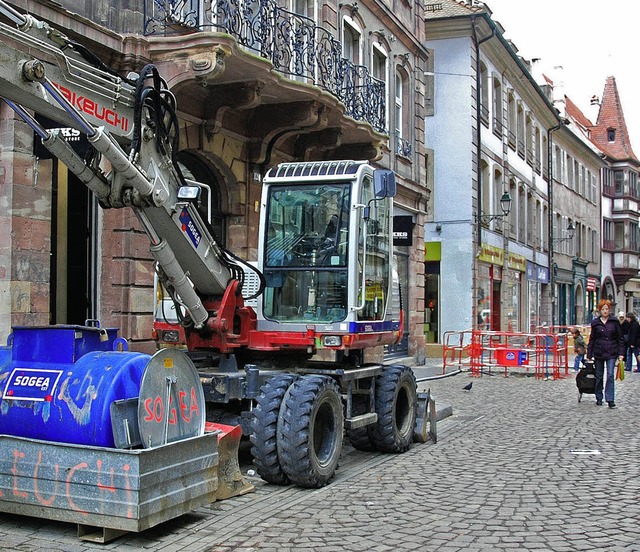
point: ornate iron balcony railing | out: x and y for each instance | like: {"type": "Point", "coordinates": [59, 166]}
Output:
{"type": "Point", "coordinates": [403, 147]}
{"type": "Point", "coordinates": [293, 43]}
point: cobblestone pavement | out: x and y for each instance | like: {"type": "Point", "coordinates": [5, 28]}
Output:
{"type": "Point", "coordinates": [521, 465]}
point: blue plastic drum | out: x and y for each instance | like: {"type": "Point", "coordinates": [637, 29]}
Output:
{"type": "Point", "coordinates": [54, 387]}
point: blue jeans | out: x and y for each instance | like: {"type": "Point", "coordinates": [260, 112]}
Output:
{"type": "Point", "coordinates": [609, 385]}
{"type": "Point", "coordinates": [577, 362]}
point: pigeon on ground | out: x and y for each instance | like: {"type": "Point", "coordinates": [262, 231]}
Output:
{"type": "Point", "coordinates": [468, 386]}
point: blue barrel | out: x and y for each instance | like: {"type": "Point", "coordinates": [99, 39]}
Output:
{"type": "Point", "coordinates": [57, 384]}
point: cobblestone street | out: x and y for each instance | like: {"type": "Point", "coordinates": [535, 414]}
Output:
{"type": "Point", "coordinates": [521, 465]}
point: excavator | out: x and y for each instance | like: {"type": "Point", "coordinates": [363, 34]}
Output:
{"type": "Point", "coordinates": [275, 347]}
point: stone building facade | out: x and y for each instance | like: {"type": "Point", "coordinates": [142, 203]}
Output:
{"type": "Point", "coordinates": [321, 80]}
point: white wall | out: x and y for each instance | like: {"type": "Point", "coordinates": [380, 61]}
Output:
{"type": "Point", "coordinates": [450, 134]}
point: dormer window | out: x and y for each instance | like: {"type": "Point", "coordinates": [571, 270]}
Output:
{"type": "Point", "coordinates": [611, 134]}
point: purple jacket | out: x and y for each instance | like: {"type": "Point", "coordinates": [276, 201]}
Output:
{"type": "Point", "coordinates": [606, 340]}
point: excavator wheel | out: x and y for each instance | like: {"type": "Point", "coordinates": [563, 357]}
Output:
{"type": "Point", "coordinates": [264, 427]}
{"type": "Point", "coordinates": [396, 399]}
{"type": "Point", "coordinates": [310, 428]}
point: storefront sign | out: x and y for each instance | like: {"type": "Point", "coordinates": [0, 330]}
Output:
{"type": "Point", "coordinates": [402, 230]}
{"type": "Point", "coordinates": [517, 262]}
{"type": "Point", "coordinates": [73, 137]}
{"type": "Point", "coordinates": [491, 254]}
{"type": "Point", "coordinates": [537, 273]}
{"type": "Point", "coordinates": [592, 284]}
{"type": "Point", "coordinates": [432, 251]}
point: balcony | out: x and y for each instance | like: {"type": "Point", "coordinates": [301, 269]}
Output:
{"type": "Point", "coordinates": [294, 45]}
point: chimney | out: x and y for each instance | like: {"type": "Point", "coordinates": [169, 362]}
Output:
{"type": "Point", "coordinates": [557, 97]}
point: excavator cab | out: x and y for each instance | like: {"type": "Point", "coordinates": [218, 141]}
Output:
{"type": "Point", "coordinates": [326, 253]}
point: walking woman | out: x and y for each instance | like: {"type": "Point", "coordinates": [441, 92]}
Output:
{"type": "Point", "coordinates": [606, 344]}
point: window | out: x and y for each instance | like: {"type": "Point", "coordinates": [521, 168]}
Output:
{"type": "Point", "coordinates": [379, 63]}
{"type": "Point", "coordinates": [511, 119]}
{"type": "Point", "coordinates": [484, 94]}
{"type": "Point", "coordinates": [537, 154]}
{"type": "Point", "coordinates": [497, 192]}
{"type": "Point", "coordinates": [530, 219]}
{"type": "Point", "coordinates": [608, 235]}
{"type": "Point", "coordinates": [611, 135]}
{"type": "Point", "coordinates": [522, 216]}
{"type": "Point", "coordinates": [403, 145]}
{"type": "Point", "coordinates": [379, 70]}
{"type": "Point", "coordinates": [619, 182]}
{"type": "Point", "coordinates": [618, 238]}
{"type": "Point", "coordinates": [486, 189]}
{"type": "Point", "coordinates": [520, 130]}
{"type": "Point", "coordinates": [608, 187]}
{"type": "Point", "coordinates": [557, 171]}
{"type": "Point", "coordinates": [497, 107]}
{"type": "Point", "coordinates": [529, 139]}
{"type": "Point", "coordinates": [513, 214]}
{"type": "Point", "coordinates": [633, 184]}
{"type": "Point", "coordinates": [351, 37]}
{"type": "Point", "coordinates": [569, 171]}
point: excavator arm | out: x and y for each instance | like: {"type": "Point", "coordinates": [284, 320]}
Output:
{"type": "Point", "coordinates": [132, 127]}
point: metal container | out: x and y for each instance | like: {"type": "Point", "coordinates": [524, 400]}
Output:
{"type": "Point", "coordinates": [60, 383]}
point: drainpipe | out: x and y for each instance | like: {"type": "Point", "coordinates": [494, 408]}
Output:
{"type": "Point", "coordinates": [477, 44]}
{"type": "Point", "coordinates": [552, 270]}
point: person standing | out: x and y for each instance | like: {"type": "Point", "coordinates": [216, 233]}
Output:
{"type": "Point", "coordinates": [633, 342]}
{"type": "Point", "coordinates": [624, 328]}
{"type": "Point", "coordinates": [579, 348]}
{"type": "Point", "coordinates": [605, 345]}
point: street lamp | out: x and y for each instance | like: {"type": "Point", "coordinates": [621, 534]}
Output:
{"type": "Point", "coordinates": [570, 232]}
{"type": "Point", "coordinates": [505, 207]}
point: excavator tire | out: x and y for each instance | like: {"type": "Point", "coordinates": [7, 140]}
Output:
{"type": "Point", "coordinates": [310, 428]}
{"type": "Point", "coordinates": [264, 428]}
{"type": "Point", "coordinates": [396, 399]}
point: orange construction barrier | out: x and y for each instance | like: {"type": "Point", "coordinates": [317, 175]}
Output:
{"type": "Point", "coordinates": [455, 350]}
{"type": "Point", "coordinates": [546, 353]}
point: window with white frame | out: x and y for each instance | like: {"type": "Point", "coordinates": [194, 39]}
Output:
{"type": "Point", "coordinates": [351, 40]}
{"type": "Point", "coordinates": [380, 68]}
{"type": "Point", "coordinates": [401, 103]}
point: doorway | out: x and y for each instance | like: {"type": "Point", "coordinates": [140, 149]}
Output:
{"type": "Point", "coordinates": [73, 262]}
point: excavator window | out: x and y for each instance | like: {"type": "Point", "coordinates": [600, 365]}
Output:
{"type": "Point", "coordinates": [306, 253]}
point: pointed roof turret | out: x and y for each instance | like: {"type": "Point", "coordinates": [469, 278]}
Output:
{"type": "Point", "coordinates": [610, 131]}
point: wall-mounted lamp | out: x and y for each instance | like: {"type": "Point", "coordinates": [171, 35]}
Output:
{"type": "Point", "coordinates": [570, 232]}
{"type": "Point", "coordinates": [505, 207]}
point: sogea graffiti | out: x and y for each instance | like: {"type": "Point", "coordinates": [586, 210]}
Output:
{"type": "Point", "coordinates": [155, 408]}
